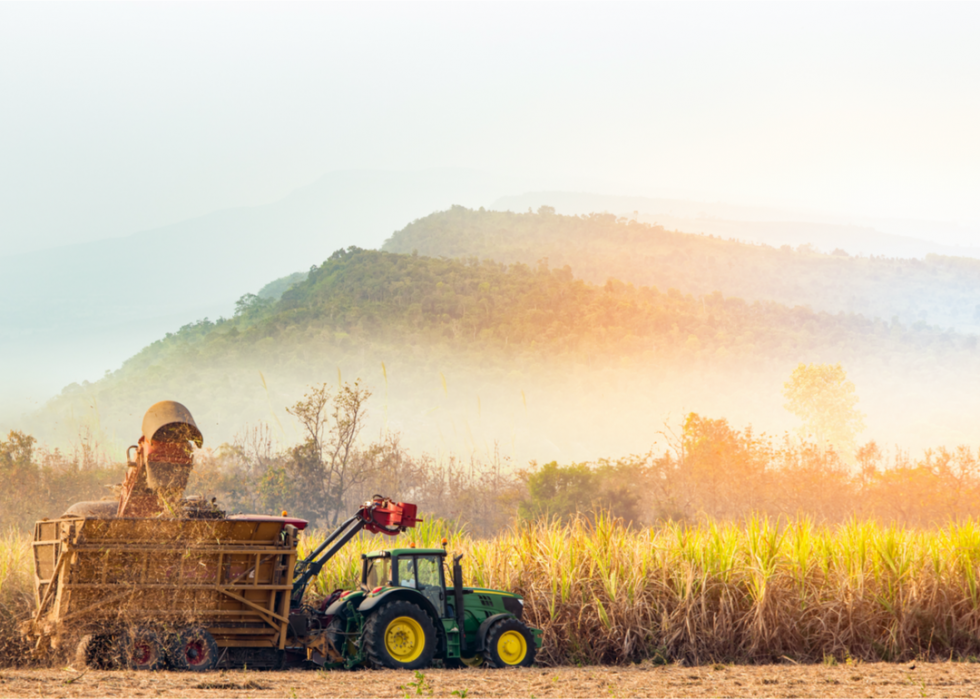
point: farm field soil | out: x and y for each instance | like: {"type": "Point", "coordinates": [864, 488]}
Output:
{"type": "Point", "coordinates": [858, 680]}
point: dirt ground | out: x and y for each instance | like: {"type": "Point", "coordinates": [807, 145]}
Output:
{"type": "Point", "coordinates": [858, 680]}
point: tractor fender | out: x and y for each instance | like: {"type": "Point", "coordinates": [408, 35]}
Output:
{"type": "Point", "coordinates": [402, 593]}
{"type": "Point", "coordinates": [334, 609]}
{"type": "Point", "coordinates": [338, 605]}
{"type": "Point", "coordinates": [481, 634]}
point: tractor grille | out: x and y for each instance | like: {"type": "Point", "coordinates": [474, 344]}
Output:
{"type": "Point", "coordinates": [514, 606]}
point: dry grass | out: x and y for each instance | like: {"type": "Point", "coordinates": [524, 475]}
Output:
{"type": "Point", "coordinates": [854, 680]}
{"type": "Point", "coordinates": [16, 594]}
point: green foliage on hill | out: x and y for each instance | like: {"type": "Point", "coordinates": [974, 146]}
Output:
{"type": "Point", "coordinates": [941, 291]}
{"type": "Point", "coordinates": [274, 289]}
{"type": "Point", "coordinates": [498, 311]}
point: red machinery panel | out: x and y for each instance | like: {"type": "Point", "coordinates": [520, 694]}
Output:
{"type": "Point", "coordinates": [386, 517]}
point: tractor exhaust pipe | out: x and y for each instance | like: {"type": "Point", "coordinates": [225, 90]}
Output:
{"type": "Point", "coordinates": [458, 595]}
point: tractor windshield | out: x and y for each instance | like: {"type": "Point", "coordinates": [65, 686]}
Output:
{"type": "Point", "coordinates": [378, 572]}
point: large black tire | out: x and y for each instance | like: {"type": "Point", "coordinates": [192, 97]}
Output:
{"type": "Point", "coordinates": [140, 649]}
{"type": "Point", "coordinates": [94, 651]}
{"type": "Point", "coordinates": [194, 650]}
{"type": "Point", "coordinates": [400, 636]}
{"type": "Point", "coordinates": [509, 644]}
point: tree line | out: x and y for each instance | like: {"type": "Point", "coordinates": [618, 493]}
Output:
{"type": "Point", "coordinates": [714, 472]}
{"type": "Point", "coordinates": [709, 471]}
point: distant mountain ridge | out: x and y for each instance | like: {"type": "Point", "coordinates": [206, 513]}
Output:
{"type": "Point", "coordinates": [856, 235]}
{"type": "Point", "coordinates": [940, 291]}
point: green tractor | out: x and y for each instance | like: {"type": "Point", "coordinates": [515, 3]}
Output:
{"type": "Point", "coordinates": [406, 616]}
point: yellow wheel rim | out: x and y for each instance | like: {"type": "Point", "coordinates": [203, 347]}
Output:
{"type": "Point", "coordinates": [404, 639]}
{"type": "Point", "coordinates": [511, 647]}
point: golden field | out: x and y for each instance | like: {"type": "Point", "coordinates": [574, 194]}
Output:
{"type": "Point", "coordinates": [758, 591]}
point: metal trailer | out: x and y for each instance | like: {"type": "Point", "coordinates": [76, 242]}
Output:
{"type": "Point", "coordinates": [150, 586]}
{"type": "Point", "coordinates": [192, 593]}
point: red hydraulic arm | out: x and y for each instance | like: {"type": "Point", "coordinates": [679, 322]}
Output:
{"type": "Point", "coordinates": [380, 516]}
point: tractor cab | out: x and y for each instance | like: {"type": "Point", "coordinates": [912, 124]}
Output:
{"type": "Point", "coordinates": [418, 569]}
{"type": "Point", "coordinates": [404, 615]}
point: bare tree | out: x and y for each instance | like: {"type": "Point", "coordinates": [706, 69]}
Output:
{"type": "Point", "coordinates": [329, 463]}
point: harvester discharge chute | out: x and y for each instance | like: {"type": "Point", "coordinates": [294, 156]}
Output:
{"type": "Point", "coordinates": [157, 477]}
{"type": "Point", "coordinates": [156, 480]}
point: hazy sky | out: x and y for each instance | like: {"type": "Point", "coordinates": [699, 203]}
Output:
{"type": "Point", "coordinates": [124, 116]}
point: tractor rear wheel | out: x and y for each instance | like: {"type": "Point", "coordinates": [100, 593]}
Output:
{"type": "Point", "coordinates": [194, 650]}
{"type": "Point", "coordinates": [140, 649]}
{"type": "Point", "coordinates": [400, 636]}
{"type": "Point", "coordinates": [509, 644]}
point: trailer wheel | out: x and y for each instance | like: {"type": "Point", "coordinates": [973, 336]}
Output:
{"type": "Point", "coordinates": [194, 650]}
{"type": "Point", "coordinates": [141, 649]}
{"type": "Point", "coordinates": [94, 651]}
{"type": "Point", "coordinates": [400, 636]}
{"type": "Point", "coordinates": [509, 644]}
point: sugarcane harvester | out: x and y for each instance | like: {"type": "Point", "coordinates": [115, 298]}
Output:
{"type": "Point", "coordinates": [151, 579]}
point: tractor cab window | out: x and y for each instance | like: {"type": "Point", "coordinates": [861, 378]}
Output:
{"type": "Point", "coordinates": [377, 573]}
{"type": "Point", "coordinates": [406, 571]}
{"type": "Point", "coordinates": [424, 573]}
{"type": "Point", "coordinates": [430, 581]}
{"type": "Point", "coordinates": [429, 568]}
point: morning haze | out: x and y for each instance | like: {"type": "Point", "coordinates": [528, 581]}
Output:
{"type": "Point", "coordinates": [161, 162]}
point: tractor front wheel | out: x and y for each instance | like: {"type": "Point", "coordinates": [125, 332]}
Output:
{"type": "Point", "coordinates": [509, 644]}
{"type": "Point", "coordinates": [400, 636]}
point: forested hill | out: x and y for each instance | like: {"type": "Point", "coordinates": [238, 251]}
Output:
{"type": "Point", "coordinates": [460, 354]}
{"type": "Point", "coordinates": [941, 291]}
{"type": "Point", "coordinates": [499, 311]}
